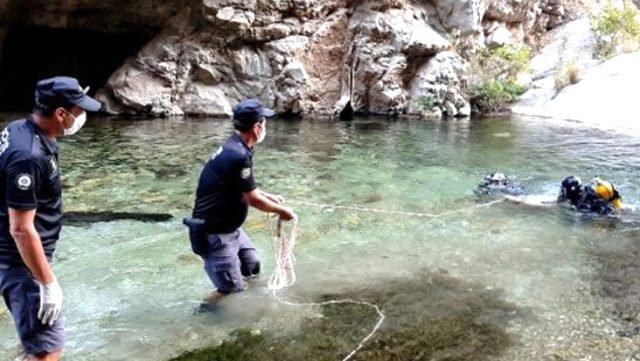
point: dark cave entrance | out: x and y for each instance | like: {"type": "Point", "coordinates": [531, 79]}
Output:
{"type": "Point", "coordinates": [31, 53]}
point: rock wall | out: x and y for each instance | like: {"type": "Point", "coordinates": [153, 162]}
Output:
{"type": "Point", "coordinates": [601, 90]}
{"type": "Point", "coordinates": [107, 16]}
{"type": "Point", "coordinates": [299, 56]}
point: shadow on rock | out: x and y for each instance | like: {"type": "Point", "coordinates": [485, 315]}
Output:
{"type": "Point", "coordinates": [430, 317]}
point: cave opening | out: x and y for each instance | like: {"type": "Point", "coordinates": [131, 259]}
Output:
{"type": "Point", "coordinates": [31, 53]}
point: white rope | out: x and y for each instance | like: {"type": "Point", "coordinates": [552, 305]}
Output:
{"type": "Point", "coordinates": [404, 213]}
{"type": "Point", "coordinates": [284, 276]}
{"type": "Point", "coordinates": [284, 273]}
{"type": "Point", "coordinates": [381, 316]}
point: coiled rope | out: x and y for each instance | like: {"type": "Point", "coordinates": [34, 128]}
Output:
{"type": "Point", "coordinates": [284, 274]}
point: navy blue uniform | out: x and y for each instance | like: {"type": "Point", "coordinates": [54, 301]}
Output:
{"type": "Point", "coordinates": [227, 175]}
{"type": "Point", "coordinates": [220, 202]}
{"type": "Point", "coordinates": [29, 179]}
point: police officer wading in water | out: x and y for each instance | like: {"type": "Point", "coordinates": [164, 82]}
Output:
{"type": "Point", "coordinates": [225, 191]}
{"type": "Point", "coordinates": [31, 211]}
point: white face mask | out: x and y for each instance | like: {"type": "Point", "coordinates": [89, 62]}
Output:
{"type": "Point", "coordinates": [262, 135]}
{"type": "Point", "coordinates": [77, 124]}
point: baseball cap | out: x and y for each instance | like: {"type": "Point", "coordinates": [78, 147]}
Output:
{"type": "Point", "coordinates": [248, 112]}
{"type": "Point", "coordinates": [62, 91]}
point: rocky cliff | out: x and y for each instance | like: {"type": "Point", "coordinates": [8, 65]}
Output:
{"type": "Point", "coordinates": [603, 90]}
{"type": "Point", "coordinates": [299, 56]}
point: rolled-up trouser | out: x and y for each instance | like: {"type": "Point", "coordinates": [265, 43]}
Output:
{"type": "Point", "coordinates": [21, 294]}
{"type": "Point", "coordinates": [231, 256]}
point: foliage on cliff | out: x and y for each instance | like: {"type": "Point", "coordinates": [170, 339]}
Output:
{"type": "Point", "coordinates": [495, 72]}
{"type": "Point", "coordinates": [617, 30]}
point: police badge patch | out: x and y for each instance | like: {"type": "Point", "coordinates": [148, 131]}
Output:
{"type": "Point", "coordinates": [246, 173]}
{"type": "Point", "coordinates": [24, 181]}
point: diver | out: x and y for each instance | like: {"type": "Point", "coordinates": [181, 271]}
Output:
{"type": "Point", "coordinates": [498, 183]}
{"type": "Point", "coordinates": [600, 197]}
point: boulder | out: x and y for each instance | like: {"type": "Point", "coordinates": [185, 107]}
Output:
{"type": "Point", "coordinates": [573, 42]}
{"type": "Point", "coordinates": [601, 97]}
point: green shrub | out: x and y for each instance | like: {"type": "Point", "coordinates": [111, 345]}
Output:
{"type": "Point", "coordinates": [616, 29]}
{"type": "Point", "coordinates": [429, 102]}
{"type": "Point", "coordinates": [504, 62]}
{"type": "Point", "coordinates": [566, 74]}
{"type": "Point", "coordinates": [494, 73]}
{"type": "Point", "coordinates": [495, 95]}
{"type": "Point", "coordinates": [516, 59]}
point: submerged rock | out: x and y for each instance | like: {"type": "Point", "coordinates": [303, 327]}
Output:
{"type": "Point", "coordinates": [617, 277]}
{"type": "Point", "coordinates": [95, 217]}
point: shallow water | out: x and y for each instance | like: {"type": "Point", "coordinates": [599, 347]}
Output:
{"type": "Point", "coordinates": [131, 288]}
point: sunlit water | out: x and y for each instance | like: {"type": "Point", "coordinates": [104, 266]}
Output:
{"type": "Point", "coordinates": [131, 288]}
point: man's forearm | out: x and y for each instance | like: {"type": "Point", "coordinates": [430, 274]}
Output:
{"type": "Point", "coordinates": [263, 203]}
{"type": "Point", "coordinates": [30, 248]}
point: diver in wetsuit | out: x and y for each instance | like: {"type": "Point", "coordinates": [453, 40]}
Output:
{"type": "Point", "coordinates": [601, 197]}
{"type": "Point", "coordinates": [497, 183]}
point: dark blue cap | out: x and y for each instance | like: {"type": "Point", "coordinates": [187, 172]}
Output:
{"type": "Point", "coordinates": [62, 91]}
{"type": "Point", "coordinates": [248, 112]}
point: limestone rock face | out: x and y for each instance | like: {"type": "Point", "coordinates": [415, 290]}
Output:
{"type": "Point", "coordinates": [104, 16]}
{"type": "Point", "coordinates": [585, 100]}
{"type": "Point", "coordinates": [462, 15]}
{"type": "Point", "coordinates": [299, 56]}
{"type": "Point", "coordinates": [571, 43]}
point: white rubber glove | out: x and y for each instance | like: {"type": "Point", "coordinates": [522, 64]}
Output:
{"type": "Point", "coordinates": [50, 303]}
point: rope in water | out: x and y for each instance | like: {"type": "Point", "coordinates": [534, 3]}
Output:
{"type": "Point", "coordinates": [284, 276]}
{"type": "Point", "coordinates": [403, 213]}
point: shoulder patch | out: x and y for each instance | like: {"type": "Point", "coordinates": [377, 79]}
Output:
{"type": "Point", "coordinates": [216, 153]}
{"type": "Point", "coordinates": [246, 173]}
{"type": "Point", "coordinates": [24, 181]}
{"type": "Point", "coordinates": [4, 140]}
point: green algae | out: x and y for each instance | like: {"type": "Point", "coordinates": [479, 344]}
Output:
{"type": "Point", "coordinates": [430, 317]}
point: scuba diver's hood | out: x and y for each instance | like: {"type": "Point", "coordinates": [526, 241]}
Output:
{"type": "Point", "coordinates": [497, 177]}
{"type": "Point", "coordinates": [570, 189]}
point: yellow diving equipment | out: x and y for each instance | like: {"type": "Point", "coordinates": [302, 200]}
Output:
{"type": "Point", "coordinates": [607, 191]}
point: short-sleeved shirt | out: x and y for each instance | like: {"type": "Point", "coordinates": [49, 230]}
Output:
{"type": "Point", "coordinates": [29, 179]}
{"type": "Point", "coordinates": [224, 180]}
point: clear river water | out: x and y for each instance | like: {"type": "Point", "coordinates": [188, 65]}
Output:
{"type": "Point", "coordinates": [131, 288]}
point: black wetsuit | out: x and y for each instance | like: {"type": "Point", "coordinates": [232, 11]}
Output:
{"type": "Point", "coordinates": [588, 201]}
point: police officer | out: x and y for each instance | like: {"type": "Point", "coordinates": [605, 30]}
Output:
{"type": "Point", "coordinates": [31, 211]}
{"type": "Point", "coordinates": [225, 191]}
